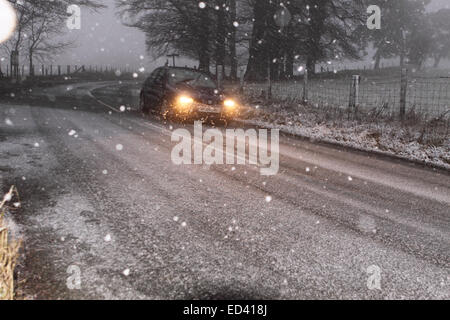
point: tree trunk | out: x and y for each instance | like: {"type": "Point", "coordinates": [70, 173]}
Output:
{"type": "Point", "coordinates": [377, 60]}
{"type": "Point", "coordinates": [311, 65]}
{"type": "Point", "coordinates": [276, 70]}
{"type": "Point", "coordinates": [232, 42]}
{"type": "Point", "coordinates": [221, 35]}
{"type": "Point", "coordinates": [204, 54]}
{"type": "Point", "coordinates": [437, 60]}
{"type": "Point", "coordinates": [204, 61]}
{"type": "Point", "coordinates": [316, 30]}
{"type": "Point", "coordinates": [289, 73]}
{"type": "Point", "coordinates": [259, 55]}
{"type": "Point", "coordinates": [30, 57]}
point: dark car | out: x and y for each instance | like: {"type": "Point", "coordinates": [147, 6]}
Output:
{"type": "Point", "coordinates": [185, 93]}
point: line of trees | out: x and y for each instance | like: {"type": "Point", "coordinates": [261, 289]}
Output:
{"type": "Point", "coordinates": [410, 33]}
{"type": "Point", "coordinates": [274, 35]}
{"type": "Point", "coordinates": [40, 27]}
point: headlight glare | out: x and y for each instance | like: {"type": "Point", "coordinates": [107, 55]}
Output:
{"type": "Point", "coordinates": [230, 104]}
{"type": "Point", "coordinates": [185, 100]}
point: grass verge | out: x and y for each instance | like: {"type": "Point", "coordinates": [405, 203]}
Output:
{"type": "Point", "coordinates": [9, 248]}
{"type": "Point", "coordinates": [416, 137]}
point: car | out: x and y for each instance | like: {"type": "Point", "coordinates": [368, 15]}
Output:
{"type": "Point", "coordinates": [185, 93]}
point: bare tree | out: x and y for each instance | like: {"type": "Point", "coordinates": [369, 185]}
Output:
{"type": "Point", "coordinates": [44, 26]}
{"type": "Point", "coordinates": [40, 23]}
{"type": "Point", "coordinates": [315, 30]}
{"type": "Point", "coordinates": [181, 25]}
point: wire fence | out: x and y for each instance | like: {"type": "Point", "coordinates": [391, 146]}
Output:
{"type": "Point", "coordinates": [9, 72]}
{"type": "Point", "coordinates": [427, 96]}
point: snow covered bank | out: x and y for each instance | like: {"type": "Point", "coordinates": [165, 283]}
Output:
{"type": "Point", "coordinates": [418, 140]}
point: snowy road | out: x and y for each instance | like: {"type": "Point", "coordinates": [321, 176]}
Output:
{"type": "Point", "coordinates": [101, 196]}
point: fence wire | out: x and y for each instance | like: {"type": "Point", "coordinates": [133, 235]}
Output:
{"type": "Point", "coordinates": [425, 96]}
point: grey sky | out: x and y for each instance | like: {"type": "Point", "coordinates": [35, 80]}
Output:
{"type": "Point", "coordinates": [103, 40]}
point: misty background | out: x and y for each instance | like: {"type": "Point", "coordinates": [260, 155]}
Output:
{"type": "Point", "coordinates": [104, 40]}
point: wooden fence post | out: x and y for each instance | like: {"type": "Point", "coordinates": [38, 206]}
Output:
{"type": "Point", "coordinates": [305, 87]}
{"type": "Point", "coordinates": [354, 93]}
{"type": "Point", "coordinates": [403, 92]}
{"type": "Point", "coordinates": [269, 80]}
{"type": "Point", "coordinates": [241, 81]}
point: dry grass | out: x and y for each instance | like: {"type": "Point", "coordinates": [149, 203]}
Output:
{"type": "Point", "coordinates": [9, 249]}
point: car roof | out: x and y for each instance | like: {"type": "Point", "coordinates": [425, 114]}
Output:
{"type": "Point", "coordinates": [189, 69]}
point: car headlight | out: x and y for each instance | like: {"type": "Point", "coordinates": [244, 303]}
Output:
{"type": "Point", "coordinates": [185, 100]}
{"type": "Point", "coordinates": [230, 104]}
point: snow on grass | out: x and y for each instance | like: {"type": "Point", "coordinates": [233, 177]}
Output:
{"type": "Point", "coordinates": [427, 141]}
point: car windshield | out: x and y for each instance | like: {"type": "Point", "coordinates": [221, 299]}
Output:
{"type": "Point", "coordinates": [191, 77]}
